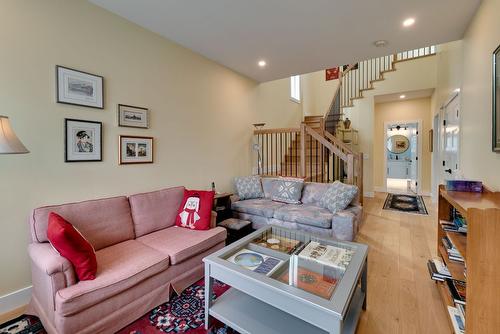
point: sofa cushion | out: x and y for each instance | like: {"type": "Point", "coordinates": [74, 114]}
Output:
{"type": "Point", "coordinates": [305, 214]}
{"type": "Point", "coordinates": [155, 210]}
{"type": "Point", "coordinates": [268, 185]}
{"type": "Point", "coordinates": [181, 244]}
{"type": "Point", "coordinates": [103, 222]}
{"type": "Point", "coordinates": [338, 196]}
{"type": "Point", "coordinates": [312, 192]}
{"type": "Point", "coordinates": [288, 190]}
{"type": "Point", "coordinates": [120, 267]}
{"type": "Point", "coordinates": [248, 187]}
{"type": "Point", "coordinates": [195, 211]}
{"type": "Point", "coordinates": [72, 245]}
{"type": "Point", "coordinates": [260, 207]}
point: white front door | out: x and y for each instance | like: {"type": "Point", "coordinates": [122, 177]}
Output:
{"type": "Point", "coordinates": [450, 143]}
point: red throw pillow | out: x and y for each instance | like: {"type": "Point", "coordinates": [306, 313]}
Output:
{"type": "Point", "coordinates": [195, 211]}
{"type": "Point", "coordinates": [71, 244]}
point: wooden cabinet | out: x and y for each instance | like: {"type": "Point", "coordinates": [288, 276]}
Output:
{"type": "Point", "coordinates": [481, 251]}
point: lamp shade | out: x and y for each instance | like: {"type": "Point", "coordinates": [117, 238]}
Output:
{"type": "Point", "coordinates": [9, 143]}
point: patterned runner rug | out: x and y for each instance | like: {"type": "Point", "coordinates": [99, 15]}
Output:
{"type": "Point", "coordinates": [405, 203]}
{"type": "Point", "coordinates": [182, 314]}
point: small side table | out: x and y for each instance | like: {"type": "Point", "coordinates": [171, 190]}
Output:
{"type": "Point", "coordinates": [222, 205]}
{"type": "Point", "coordinates": [236, 229]}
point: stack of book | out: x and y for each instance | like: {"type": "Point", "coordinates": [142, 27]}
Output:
{"type": "Point", "coordinates": [457, 291]}
{"type": "Point", "coordinates": [453, 253]}
{"type": "Point", "coordinates": [438, 270]}
{"type": "Point", "coordinates": [458, 225]}
{"type": "Point", "coordinates": [327, 255]}
{"type": "Point", "coordinates": [457, 320]}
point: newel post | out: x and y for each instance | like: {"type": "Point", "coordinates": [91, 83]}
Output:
{"type": "Point", "coordinates": [359, 179]}
{"type": "Point", "coordinates": [303, 150]}
{"type": "Point", "coordinates": [350, 168]}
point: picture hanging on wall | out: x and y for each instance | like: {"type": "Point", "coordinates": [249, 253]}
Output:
{"type": "Point", "coordinates": [134, 117]}
{"type": "Point", "coordinates": [83, 140]}
{"type": "Point", "coordinates": [496, 101]}
{"type": "Point", "coordinates": [79, 88]}
{"type": "Point", "coordinates": [135, 150]}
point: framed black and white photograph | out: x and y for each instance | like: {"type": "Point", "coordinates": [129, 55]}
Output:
{"type": "Point", "coordinates": [135, 150]}
{"type": "Point", "coordinates": [83, 140]}
{"type": "Point", "coordinates": [134, 117]}
{"type": "Point", "coordinates": [79, 88]}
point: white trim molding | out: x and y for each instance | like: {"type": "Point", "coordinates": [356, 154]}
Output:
{"type": "Point", "coordinates": [15, 299]}
{"type": "Point", "coordinates": [369, 194]}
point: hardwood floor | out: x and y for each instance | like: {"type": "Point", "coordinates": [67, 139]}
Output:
{"type": "Point", "coordinates": [401, 296]}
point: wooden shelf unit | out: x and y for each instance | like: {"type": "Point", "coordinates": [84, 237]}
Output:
{"type": "Point", "coordinates": [481, 251]}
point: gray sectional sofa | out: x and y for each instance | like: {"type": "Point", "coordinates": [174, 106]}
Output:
{"type": "Point", "coordinates": [308, 216]}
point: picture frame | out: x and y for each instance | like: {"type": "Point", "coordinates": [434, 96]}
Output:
{"type": "Point", "coordinates": [133, 117]}
{"type": "Point", "coordinates": [79, 88]}
{"type": "Point", "coordinates": [82, 140]}
{"type": "Point", "coordinates": [135, 150]}
{"type": "Point", "coordinates": [431, 140]}
{"type": "Point", "coordinates": [496, 101]}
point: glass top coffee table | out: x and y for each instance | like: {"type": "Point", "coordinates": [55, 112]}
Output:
{"type": "Point", "coordinates": [286, 281]}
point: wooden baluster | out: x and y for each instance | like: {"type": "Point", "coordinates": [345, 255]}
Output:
{"type": "Point", "coordinates": [303, 150]}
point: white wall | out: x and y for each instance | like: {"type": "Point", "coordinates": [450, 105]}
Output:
{"type": "Point", "coordinates": [201, 115]}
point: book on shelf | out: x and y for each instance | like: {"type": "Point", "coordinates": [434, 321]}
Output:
{"type": "Point", "coordinates": [456, 320]}
{"type": "Point", "coordinates": [438, 270]}
{"type": "Point", "coordinates": [328, 255]}
{"type": "Point", "coordinates": [451, 249]}
{"type": "Point", "coordinates": [457, 290]}
{"type": "Point", "coordinates": [278, 243]}
{"type": "Point", "coordinates": [461, 311]}
{"type": "Point", "coordinates": [255, 261]}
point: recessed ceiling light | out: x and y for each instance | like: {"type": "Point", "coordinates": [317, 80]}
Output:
{"type": "Point", "coordinates": [262, 63]}
{"type": "Point", "coordinates": [457, 90]}
{"type": "Point", "coordinates": [380, 43]}
{"type": "Point", "coordinates": [409, 22]}
{"type": "Point", "coordinates": [402, 96]}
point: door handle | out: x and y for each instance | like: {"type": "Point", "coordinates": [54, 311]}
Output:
{"type": "Point", "coordinates": [448, 170]}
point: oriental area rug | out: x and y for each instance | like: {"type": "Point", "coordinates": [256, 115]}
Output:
{"type": "Point", "coordinates": [182, 314]}
{"type": "Point", "coordinates": [405, 203]}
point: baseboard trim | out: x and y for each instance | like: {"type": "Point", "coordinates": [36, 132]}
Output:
{"type": "Point", "coordinates": [15, 300]}
{"type": "Point", "coordinates": [380, 189]}
{"type": "Point", "coordinates": [369, 194]}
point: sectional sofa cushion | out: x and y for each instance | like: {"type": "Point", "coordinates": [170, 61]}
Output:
{"type": "Point", "coordinates": [248, 187]}
{"type": "Point", "coordinates": [73, 246]}
{"type": "Point", "coordinates": [155, 210]}
{"type": "Point", "coordinates": [103, 222]}
{"type": "Point", "coordinates": [338, 196]}
{"type": "Point", "coordinates": [312, 192]}
{"type": "Point", "coordinates": [181, 244]}
{"type": "Point", "coordinates": [121, 267]}
{"type": "Point", "coordinates": [260, 207]}
{"type": "Point", "coordinates": [305, 214]}
{"type": "Point", "coordinates": [288, 190]}
{"type": "Point", "coordinates": [268, 186]}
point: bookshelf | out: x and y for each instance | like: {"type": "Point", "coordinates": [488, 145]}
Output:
{"type": "Point", "coordinates": [480, 248]}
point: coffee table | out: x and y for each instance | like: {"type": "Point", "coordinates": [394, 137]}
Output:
{"type": "Point", "coordinates": [286, 281]}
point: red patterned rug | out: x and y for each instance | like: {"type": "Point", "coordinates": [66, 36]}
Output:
{"type": "Point", "coordinates": [182, 314]}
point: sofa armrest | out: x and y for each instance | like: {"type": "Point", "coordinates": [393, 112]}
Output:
{"type": "Point", "coordinates": [50, 273]}
{"type": "Point", "coordinates": [234, 198]}
{"type": "Point", "coordinates": [345, 223]}
{"type": "Point", "coordinates": [213, 219]}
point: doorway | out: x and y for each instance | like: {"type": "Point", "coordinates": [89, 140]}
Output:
{"type": "Point", "coordinates": [402, 172]}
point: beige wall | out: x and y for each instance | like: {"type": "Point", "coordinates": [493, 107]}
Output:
{"type": "Point", "coordinates": [317, 93]}
{"type": "Point", "coordinates": [410, 76]}
{"type": "Point", "coordinates": [201, 114]}
{"type": "Point", "coordinates": [481, 39]}
{"type": "Point", "coordinates": [401, 111]}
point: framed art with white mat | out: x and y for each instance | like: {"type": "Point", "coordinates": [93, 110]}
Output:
{"type": "Point", "coordinates": [135, 150]}
{"type": "Point", "coordinates": [133, 117]}
{"type": "Point", "coordinates": [79, 88]}
{"type": "Point", "coordinates": [83, 140]}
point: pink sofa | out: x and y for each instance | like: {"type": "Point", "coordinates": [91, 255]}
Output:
{"type": "Point", "coordinates": [141, 255]}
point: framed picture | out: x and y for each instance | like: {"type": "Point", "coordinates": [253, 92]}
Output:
{"type": "Point", "coordinates": [134, 117]}
{"type": "Point", "coordinates": [332, 73]}
{"type": "Point", "coordinates": [79, 88]}
{"type": "Point", "coordinates": [135, 150]}
{"type": "Point", "coordinates": [496, 101]}
{"type": "Point", "coordinates": [83, 140]}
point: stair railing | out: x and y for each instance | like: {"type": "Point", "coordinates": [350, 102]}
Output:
{"type": "Point", "coordinates": [359, 77]}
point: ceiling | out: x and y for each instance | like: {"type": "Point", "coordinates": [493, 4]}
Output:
{"type": "Point", "coordinates": [296, 36]}
{"type": "Point", "coordinates": [415, 94]}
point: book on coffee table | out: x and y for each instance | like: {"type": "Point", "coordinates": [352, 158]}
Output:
{"type": "Point", "coordinates": [255, 261]}
{"type": "Point", "coordinates": [311, 281]}
{"type": "Point", "coordinates": [327, 255]}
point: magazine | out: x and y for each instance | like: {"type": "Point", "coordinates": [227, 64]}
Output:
{"type": "Point", "coordinates": [257, 262]}
{"type": "Point", "coordinates": [458, 324]}
{"type": "Point", "coordinates": [327, 255]}
{"type": "Point", "coordinates": [312, 282]}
